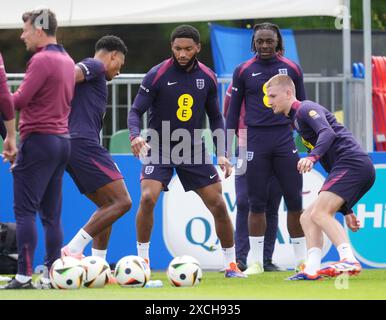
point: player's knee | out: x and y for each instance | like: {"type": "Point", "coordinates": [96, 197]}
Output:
{"type": "Point", "coordinates": [316, 216]}
{"type": "Point", "coordinates": [256, 209]}
{"type": "Point", "coordinates": [218, 208]}
{"type": "Point", "coordinates": [148, 201]}
{"type": "Point", "coordinates": [305, 218]}
{"type": "Point", "coordinates": [125, 205]}
{"type": "Point", "coordinates": [242, 205]}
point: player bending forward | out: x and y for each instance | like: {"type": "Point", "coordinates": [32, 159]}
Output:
{"type": "Point", "coordinates": [350, 175]}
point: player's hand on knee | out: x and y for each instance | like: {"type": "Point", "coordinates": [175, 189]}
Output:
{"type": "Point", "coordinates": [352, 222]}
{"type": "Point", "coordinates": [139, 147]}
{"type": "Point", "coordinates": [225, 166]}
{"type": "Point", "coordinates": [305, 165]}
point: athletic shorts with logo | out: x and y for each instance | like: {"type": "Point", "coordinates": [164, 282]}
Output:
{"type": "Point", "coordinates": [350, 179]}
{"type": "Point", "coordinates": [192, 177]}
{"type": "Point", "coordinates": [91, 166]}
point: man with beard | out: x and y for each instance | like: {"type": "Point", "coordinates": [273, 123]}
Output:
{"type": "Point", "coordinates": [43, 100]}
{"type": "Point", "coordinates": [178, 93]}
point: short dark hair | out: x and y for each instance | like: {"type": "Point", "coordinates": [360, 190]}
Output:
{"type": "Point", "coordinates": [185, 31]}
{"type": "Point", "coordinates": [268, 26]}
{"type": "Point", "coordinates": [43, 18]}
{"type": "Point", "coordinates": [111, 43]}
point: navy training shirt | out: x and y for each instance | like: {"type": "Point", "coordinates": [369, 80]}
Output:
{"type": "Point", "coordinates": [249, 83]}
{"type": "Point", "coordinates": [89, 102]}
{"type": "Point", "coordinates": [178, 97]}
{"type": "Point", "coordinates": [325, 138]}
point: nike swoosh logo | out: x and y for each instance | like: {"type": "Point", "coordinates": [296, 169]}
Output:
{"type": "Point", "coordinates": [171, 83]}
{"type": "Point", "coordinates": [211, 177]}
{"type": "Point", "coordinates": [294, 151]}
{"type": "Point", "coordinates": [256, 74]}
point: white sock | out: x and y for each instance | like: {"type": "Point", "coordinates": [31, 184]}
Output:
{"type": "Point", "coordinates": [345, 252]}
{"type": "Point", "coordinates": [79, 242]}
{"type": "Point", "coordinates": [229, 255]}
{"type": "Point", "coordinates": [22, 278]}
{"type": "Point", "coordinates": [314, 260]}
{"type": "Point", "coordinates": [99, 253]}
{"type": "Point", "coordinates": [300, 250]}
{"type": "Point", "coordinates": [143, 250]}
{"type": "Point", "coordinates": [256, 252]}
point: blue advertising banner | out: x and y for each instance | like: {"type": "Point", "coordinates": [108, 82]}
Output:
{"type": "Point", "coordinates": [183, 225]}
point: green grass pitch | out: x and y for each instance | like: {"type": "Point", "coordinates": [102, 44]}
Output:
{"type": "Point", "coordinates": [370, 284]}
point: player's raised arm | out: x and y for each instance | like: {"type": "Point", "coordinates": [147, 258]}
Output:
{"type": "Point", "coordinates": [87, 69]}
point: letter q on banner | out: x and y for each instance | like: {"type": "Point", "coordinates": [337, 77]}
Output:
{"type": "Point", "coordinates": [188, 226]}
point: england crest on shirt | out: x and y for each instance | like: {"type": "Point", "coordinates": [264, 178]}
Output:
{"type": "Point", "coordinates": [200, 83]}
{"type": "Point", "coordinates": [283, 71]}
{"type": "Point", "coordinates": [149, 169]}
{"type": "Point", "coordinates": [250, 155]}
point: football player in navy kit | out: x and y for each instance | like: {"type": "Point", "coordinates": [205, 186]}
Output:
{"type": "Point", "coordinates": [270, 145]}
{"type": "Point", "coordinates": [273, 202]}
{"type": "Point", "coordinates": [350, 175]}
{"type": "Point", "coordinates": [91, 165]}
{"type": "Point", "coordinates": [178, 93]}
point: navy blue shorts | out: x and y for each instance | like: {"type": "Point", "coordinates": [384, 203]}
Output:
{"type": "Point", "coordinates": [350, 179]}
{"type": "Point", "coordinates": [91, 166]}
{"type": "Point", "coordinates": [192, 177]}
{"type": "Point", "coordinates": [272, 151]}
